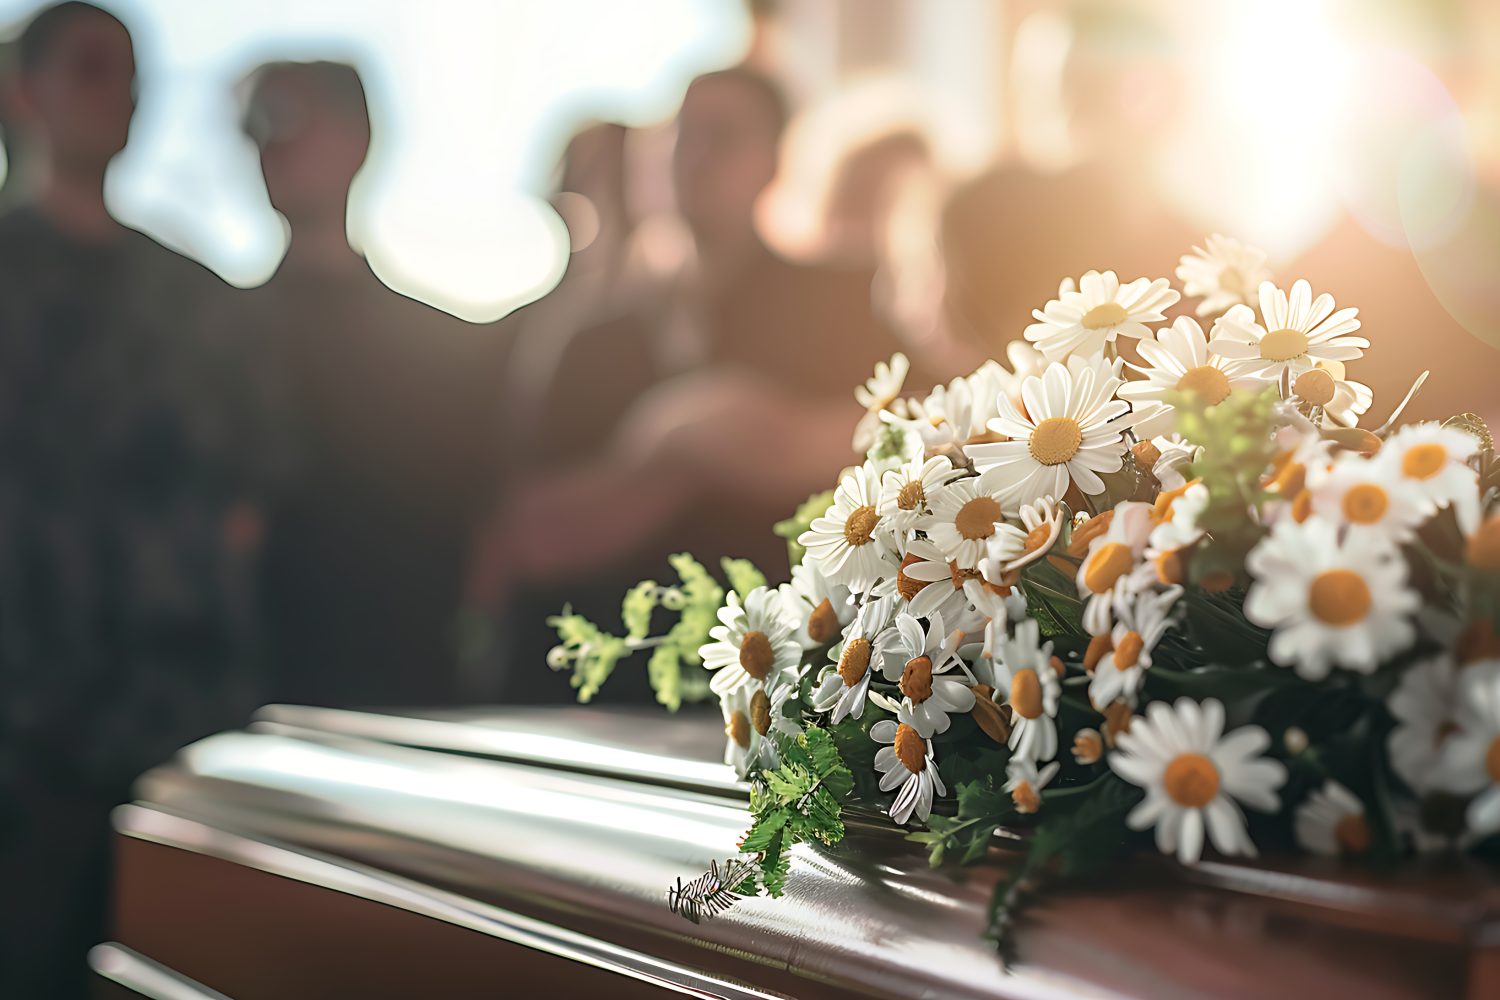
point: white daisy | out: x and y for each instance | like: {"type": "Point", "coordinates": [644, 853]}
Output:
{"type": "Point", "coordinates": [848, 543]}
{"type": "Point", "coordinates": [1102, 309]}
{"type": "Point", "coordinates": [948, 416]}
{"type": "Point", "coordinates": [1225, 274]}
{"type": "Point", "coordinates": [1299, 332]}
{"type": "Point", "coordinates": [906, 760]}
{"type": "Point", "coordinates": [907, 493]}
{"type": "Point", "coordinates": [1332, 822]}
{"type": "Point", "coordinates": [880, 392]}
{"type": "Point", "coordinates": [1174, 517]}
{"type": "Point", "coordinates": [843, 687]}
{"type": "Point", "coordinates": [1331, 601]}
{"type": "Point", "coordinates": [1369, 497]}
{"type": "Point", "coordinates": [1025, 677]}
{"type": "Point", "coordinates": [1175, 453]}
{"type": "Point", "coordinates": [1042, 523]}
{"type": "Point", "coordinates": [1072, 429]}
{"type": "Point", "coordinates": [1179, 361]}
{"type": "Point", "coordinates": [1025, 783]}
{"type": "Point", "coordinates": [1470, 761]}
{"type": "Point", "coordinates": [968, 523]}
{"type": "Point", "coordinates": [998, 610]}
{"type": "Point", "coordinates": [753, 646]}
{"type": "Point", "coordinates": [1433, 459]}
{"type": "Point", "coordinates": [1106, 576]}
{"type": "Point", "coordinates": [1195, 776]}
{"type": "Point", "coordinates": [1122, 670]}
{"type": "Point", "coordinates": [1342, 401]}
{"type": "Point", "coordinates": [817, 606]}
{"type": "Point", "coordinates": [750, 713]}
{"type": "Point", "coordinates": [920, 660]}
{"type": "Point", "coordinates": [930, 583]}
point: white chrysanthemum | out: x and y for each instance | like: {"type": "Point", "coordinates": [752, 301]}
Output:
{"type": "Point", "coordinates": [1024, 675]}
{"type": "Point", "coordinates": [1299, 332]}
{"type": "Point", "coordinates": [948, 416]}
{"type": "Point", "coordinates": [1142, 623]}
{"type": "Point", "coordinates": [1196, 776]}
{"type": "Point", "coordinates": [906, 762]}
{"type": "Point", "coordinates": [818, 607]}
{"type": "Point", "coordinates": [930, 583]}
{"type": "Point", "coordinates": [920, 661]}
{"type": "Point", "coordinates": [753, 646]}
{"type": "Point", "coordinates": [750, 713]}
{"type": "Point", "coordinates": [1343, 401]}
{"type": "Point", "coordinates": [1102, 309]}
{"type": "Point", "coordinates": [907, 493]}
{"type": "Point", "coordinates": [1370, 497]}
{"type": "Point", "coordinates": [1331, 601]}
{"type": "Point", "coordinates": [1175, 453]}
{"type": "Point", "coordinates": [1042, 523]}
{"type": "Point", "coordinates": [1226, 273]}
{"type": "Point", "coordinates": [1434, 460]}
{"type": "Point", "coordinates": [1179, 361]}
{"type": "Point", "coordinates": [1072, 430]}
{"type": "Point", "coordinates": [848, 543]}
{"type": "Point", "coordinates": [968, 522]}
{"type": "Point", "coordinates": [1470, 761]}
{"type": "Point", "coordinates": [844, 684]}
{"type": "Point", "coordinates": [1106, 576]}
{"type": "Point", "coordinates": [1175, 517]}
{"type": "Point", "coordinates": [1332, 822]}
{"type": "Point", "coordinates": [1025, 783]}
{"type": "Point", "coordinates": [998, 610]}
{"type": "Point", "coordinates": [880, 393]}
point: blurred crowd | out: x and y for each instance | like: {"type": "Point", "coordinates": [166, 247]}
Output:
{"type": "Point", "coordinates": [321, 491]}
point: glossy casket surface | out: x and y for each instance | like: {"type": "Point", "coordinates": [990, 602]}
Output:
{"type": "Point", "coordinates": [500, 853]}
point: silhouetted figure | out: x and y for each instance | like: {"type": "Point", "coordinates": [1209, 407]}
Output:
{"type": "Point", "coordinates": [385, 403]}
{"type": "Point", "coordinates": [127, 526]}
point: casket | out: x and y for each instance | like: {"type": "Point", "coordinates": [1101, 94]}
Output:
{"type": "Point", "coordinates": [525, 853]}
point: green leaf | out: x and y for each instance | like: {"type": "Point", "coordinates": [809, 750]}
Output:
{"type": "Point", "coordinates": [635, 610]}
{"type": "Point", "coordinates": [792, 528]}
{"type": "Point", "coordinates": [742, 575]}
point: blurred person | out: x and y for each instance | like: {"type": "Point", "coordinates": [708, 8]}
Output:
{"type": "Point", "coordinates": [127, 503]}
{"type": "Point", "coordinates": [383, 401]}
{"type": "Point", "coordinates": [712, 411]}
{"type": "Point", "coordinates": [1012, 233]}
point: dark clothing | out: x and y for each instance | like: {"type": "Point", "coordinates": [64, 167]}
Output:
{"type": "Point", "coordinates": [127, 438]}
{"type": "Point", "coordinates": [385, 401]}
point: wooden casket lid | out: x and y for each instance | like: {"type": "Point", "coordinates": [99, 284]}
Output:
{"type": "Point", "coordinates": [559, 830]}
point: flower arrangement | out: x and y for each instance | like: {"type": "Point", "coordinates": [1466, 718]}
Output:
{"type": "Point", "coordinates": [1183, 599]}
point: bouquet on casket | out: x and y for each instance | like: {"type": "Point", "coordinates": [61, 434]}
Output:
{"type": "Point", "coordinates": [1183, 599]}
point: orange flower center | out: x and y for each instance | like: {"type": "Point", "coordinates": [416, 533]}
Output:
{"type": "Point", "coordinates": [1146, 453]}
{"type": "Point", "coordinates": [911, 495]}
{"type": "Point", "coordinates": [1107, 564]}
{"type": "Point", "coordinates": [1098, 646]}
{"type": "Point", "coordinates": [1128, 650]}
{"type": "Point", "coordinates": [1365, 503]}
{"type": "Point", "coordinates": [1191, 780]}
{"type": "Point", "coordinates": [905, 585]}
{"type": "Point", "coordinates": [1352, 834]}
{"type": "Point", "coordinates": [1339, 597]}
{"type": "Point", "coordinates": [916, 679]}
{"type": "Point", "coordinates": [1026, 695]}
{"type": "Point", "coordinates": [911, 749]}
{"type": "Point", "coordinates": [1085, 533]}
{"type": "Point", "coordinates": [1104, 316]}
{"type": "Point", "coordinates": [1026, 798]}
{"type": "Point", "coordinates": [1171, 567]}
{"type": "Point", "coordinates": [823, 623]}
{"type": "Point", "coordinates": [860, 525]}
{"type": "Point", "coordinates": [760, 712]}
{"type": "Point", "coordinates": [1283, 345]}
{"type": "Point", "coordinates": [1036, 538]}
{"type": "Point", "coordinates": [1206, 382]}
{"type": "Point", "coordinates": [756, 655]}
{"type": "Point", "coordinates": [958, 576]}
{"type": "Point", "coordinates": [1423, 461]}
{"type": "Point", "coordinates": [1088, 746]}
{"type": "Point", "coordinates": [738, 728]}
{"type": "Point", "coordinates": [976, 519]}
{"type": "Point", "coordinates": [854, 660]}
{"type": "Point", "coordinates": [1315, 386]}
{"type": "Point", "coordinates": [1055, 440]}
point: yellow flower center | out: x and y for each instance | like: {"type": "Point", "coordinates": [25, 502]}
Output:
{"type": "Point", "coordinates": [1352, 834]}
{"type": "Point", "coordinates": [1283, 345]}
{"type": "Point", "coordinates": [976, 519]}
{"type": "Point", "coordinates": [958, 576]}
{"type": "Point", "coordinates": [1107, 564]}
{"type": "Point", "coordinates": [860, 525]}
{"type": "Point", "coordinates": [1302, 506]}
{"type": "Point", "coordinates": [1171, 567]}
{"type": "Point", "coordinates": [738, 728]}
{"type": "Point", "coordinates": [1088, 746]}
{"type": "Point", "coordinates": [1036, 538]}
{"type": "Point", "coordinates": [756, 656]}
{"type": "Point", "coordinates": [1206, 382]}
{"type": "Point", "coordinates": [823, 623]}
{"type": "Point", "coordinates": [905, 585]}
{"type": "Point", "coordinates": [1128, 650]}
{"type": "Point", "coordinates": [911, 495]}
{"type": "Point", "coordinates": [1098, 646]}
{"type": "Point", "coordinates": [1055, 440]}
{"type": "Point", "coordinates": [1026, 695]}
{"type": "Point", "coordinates": [1365, 503]}
{"type": "Point", "coordinates": [1316, 386]}
{"type": "Point", "coordinates": [1026, 798]}
{"type": "Point", "coordinates": [1492, 759]}
{"type": "Point", "coordinates": [760, 712]}
{"type": "Point", "coordinates": [1085, 533]}
{"type": "Point", "coordinates": [854, 660]}
{"type": "Point", "coordinates": [911, 749]}
{"type": "Point", "coordinates": [1483, 547]}
{"type": "Point", "coordinates": [1101, 317]}
{"type": "Point", "coordinates": [1423, 461]}
{"type": "Point", "coordinates": [1339, 597]}
{"type": "Point", "coordinates": [1191, 780]}
{"type": "Point", "coordinates": [916, 679]}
